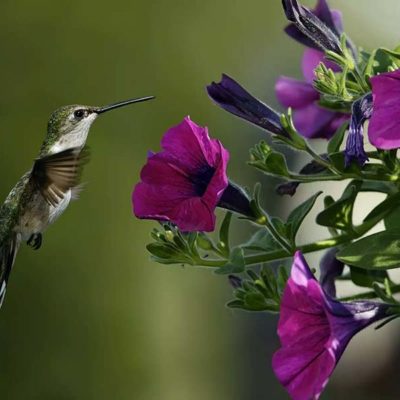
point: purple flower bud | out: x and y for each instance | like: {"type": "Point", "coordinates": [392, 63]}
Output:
{"type": "Point", "coordinates": [324, 37]}
{"type": "Point", "coordinates": [331, 18]}
{"type": "Point", "coordinates": [235, 281]}
{"type": "Point", "coordinates": [236, 200]}
{"type": "Point", "coordinates": [314, 330]}
{"type": "Point", "coordinates": [361, 112]}
{"type": "Point", "coordinates": [383, 129]}
{"type": "Point", "coordinates": [185, 182]}
{"type": "Point", "coordinates": [232, 97]}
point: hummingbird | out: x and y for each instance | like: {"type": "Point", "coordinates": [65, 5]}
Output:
{"type": "Point", "coordinates": [43, 193]}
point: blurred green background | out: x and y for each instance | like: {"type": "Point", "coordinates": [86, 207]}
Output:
{"type": "Point", "coordinates": [89, 316]}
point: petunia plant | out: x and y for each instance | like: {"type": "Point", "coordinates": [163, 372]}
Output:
{"type": "Point", "coordinates": [350, 97]}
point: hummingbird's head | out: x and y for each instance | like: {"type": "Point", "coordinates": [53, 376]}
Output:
{"type": "Point", "coordinates": [69, 125]}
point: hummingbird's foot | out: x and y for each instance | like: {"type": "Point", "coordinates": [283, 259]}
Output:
{"type": "Point", "coordinates": [35, 241]}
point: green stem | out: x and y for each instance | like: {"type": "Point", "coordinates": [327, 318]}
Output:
{"type": "Point", "coordinates": [282, 254]}
{"type": "Point", "coordinates": [266, 222]}
{"type": "Point", "coordinates": [369, 295]}
{"type": "Point", "coordinates": [321, 160]}
{"type": "Point", "coordinates": [360, 80]}
{"type": "Point", "coordinates": [343, 177]}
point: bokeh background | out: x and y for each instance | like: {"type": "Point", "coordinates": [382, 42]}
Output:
{"type": "Point", "coordinates": [89, 316]}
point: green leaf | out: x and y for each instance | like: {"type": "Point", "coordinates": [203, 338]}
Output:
{"type": "Point", "coordinates": [337, 140]}
{"type": "Point", "coordinates": [339, 215]}
{"type": "Point", "coordinates": [392, 221]}
{"type": "Point", "coordinates": [263, 241]}
{"type": "Point", "coordinates": [168, 254]}
{"type": "Point", "coordinates": [385, 210]}
{"type": "Point", "coordinates": [378, 251]}
{"type": "Point", "coordinates": [279, 225]}
{"type": "Point", "coordinates": [381, 187]}
{"type": "Point", "coordinates": [235, 304]}
{"type": "Point", "coordinates": [224, 244]}
{"type": "Point", "coordinates": [276, 164]}
{"type": "Point", "coordinates": [297, 216]}
{"type": "Point", "coordinates": [338, 161]}
{"type": "Point", "coordinates": [235, 265]}
{"type": "Point", "coordinates": [269, 161]}
{"type": "Point", "coordinates": [282, 278]}
{"type": "Point", "coordinates": [386, 58]}
{"type": "Point", "coordinates": [366, 278]}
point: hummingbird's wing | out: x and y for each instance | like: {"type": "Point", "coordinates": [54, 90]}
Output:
{"type": "Point", "coordinates": [57, 173]}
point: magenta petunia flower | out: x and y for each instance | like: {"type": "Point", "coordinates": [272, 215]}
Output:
{"type": "Point", "coordinates": [383, 130]}
{"type": "Point", "coordinates": [314, 330]}
{"type": "Point", "coordinates": [311, 120]}
{"type": "Point", "coordinates": [185, 182]}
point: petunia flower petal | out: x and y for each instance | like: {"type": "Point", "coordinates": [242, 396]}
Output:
{"type": "Point", "coordinates": [294, 93]}
{"type": "Point", "coordinates": [311, 59]}
{"type": "Point", "coordinates": [383, 130]}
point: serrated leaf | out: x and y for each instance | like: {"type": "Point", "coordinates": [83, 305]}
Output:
{"type": "Point", "coordinates": [235, 265]}
{"type": "Point", "coordinates": [296, 217]}
{"type": "Point", "coordinates": [337, 140]}
{"type": "Point", "coordinates": [378, 251]}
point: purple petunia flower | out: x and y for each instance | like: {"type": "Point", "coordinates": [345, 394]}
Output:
{"type": "Point", "coordinates": [311, 120]}
{"type": "Point", "coordinates": [184, 182]}
{"type": "Point", "coordinates": [314, 330]}
{"type": "Point", "coordinates": [383, 130]}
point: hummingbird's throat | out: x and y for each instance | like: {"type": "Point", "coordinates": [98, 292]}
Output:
{"type": "Point", "coordinates": [76, 136]}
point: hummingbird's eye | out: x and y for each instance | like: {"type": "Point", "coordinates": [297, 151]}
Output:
{"type": "Point", "coordinates": [79, 113]}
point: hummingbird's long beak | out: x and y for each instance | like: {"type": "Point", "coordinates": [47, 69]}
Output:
{"type": "Point", "coordinates": [113, 106]}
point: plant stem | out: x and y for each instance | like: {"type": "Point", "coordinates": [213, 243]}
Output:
{"type": "Point", "coordinates": [266, 222]}
{"type": "Point", "coordinates": [364, 176]}
{"type": "Point", "coordinates": [369, 295]}
{"type": "Point", "coordinates": [320, 160]}
{"type": "Point", "coordinates": [282, 254]}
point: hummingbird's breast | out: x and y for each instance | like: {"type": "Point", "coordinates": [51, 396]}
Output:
{"type": "Point", "coordinates": [37, 214]}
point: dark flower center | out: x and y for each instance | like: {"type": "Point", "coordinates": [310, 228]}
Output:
{"type": "Point", "coordinates": [202, 179]}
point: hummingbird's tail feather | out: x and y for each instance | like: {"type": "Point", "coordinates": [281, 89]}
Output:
{"type": "Point", "coordinates": [8, 251]}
